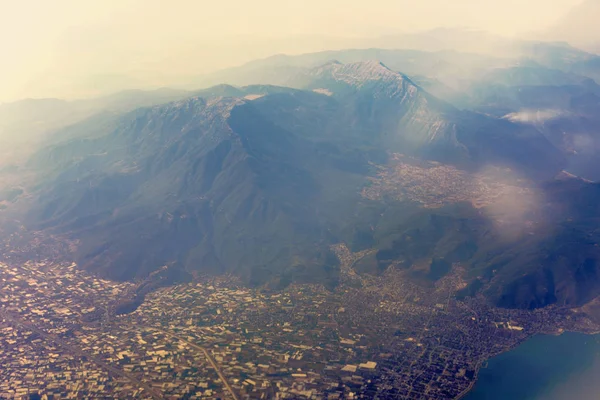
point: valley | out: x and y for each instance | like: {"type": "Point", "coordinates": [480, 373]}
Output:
{"type": "Point", "coordinates": [434, 185]}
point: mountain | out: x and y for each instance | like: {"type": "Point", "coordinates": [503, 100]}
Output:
{"type": "Point", "coordinates": [47, 113]}
{"type": "Point", "coordinates": [446, 65]}
{"type": "Point", "coordinates": [564, 107]}
{"type": "Point", "coordinates": [532, 75]}
{"type": "Point", "coordinates": [27, 124]}
{"type": "Point", "coordinates": [131, 99]}
{"type": "Point", "coordinates": [412, 121]}
{"type": "Point", "coordinates": [448, 74]}
{"type": "Point", "coordinates": [210, 183]}
{"type": "Point", "coordinates": [564, 268]}
{"type": "Point", "coordinates": [260, 181]}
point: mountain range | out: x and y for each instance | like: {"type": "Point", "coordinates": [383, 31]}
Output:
{"type": "Point", "coordinates": [260, 181]}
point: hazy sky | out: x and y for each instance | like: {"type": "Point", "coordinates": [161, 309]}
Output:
{"type": "Point", "coordinates": [72, 48]}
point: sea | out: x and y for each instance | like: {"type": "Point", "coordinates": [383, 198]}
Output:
{"type": "Point", "coordinates": [544, 367]}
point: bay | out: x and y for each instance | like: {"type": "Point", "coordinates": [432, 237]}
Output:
{"type": "Point", "coordinates": [544, 367]}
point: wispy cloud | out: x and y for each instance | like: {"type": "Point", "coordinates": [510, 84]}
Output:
{"type": "Point", "coordinates": [528, 116]}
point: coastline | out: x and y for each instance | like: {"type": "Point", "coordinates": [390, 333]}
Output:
{"type": "Point", "coordinates": [472, 384]}
{"type": "Point", "coordinates": [480, 363]}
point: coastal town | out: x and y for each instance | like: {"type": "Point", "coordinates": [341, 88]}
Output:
{"type": "Point", "coordinates": [65, 334]}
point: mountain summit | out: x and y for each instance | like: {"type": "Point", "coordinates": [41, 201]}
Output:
{"type": "Point", "coordinates": [356, 74]}
{"type": "Point", "coordinates": [372, 76]}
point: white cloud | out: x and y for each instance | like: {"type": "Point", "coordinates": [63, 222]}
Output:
{"type": "Point", "coordinates": [528, 116]}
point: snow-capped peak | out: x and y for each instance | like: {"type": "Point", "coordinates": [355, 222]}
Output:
{"type": "Point", "coordinates": [359, 74]}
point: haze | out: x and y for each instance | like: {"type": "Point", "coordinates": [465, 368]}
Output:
{"type": "Point", "coordinates": [73, 49]}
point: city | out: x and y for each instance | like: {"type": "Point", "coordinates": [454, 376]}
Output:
{"type": "Point", "coordinates": [62, 336]}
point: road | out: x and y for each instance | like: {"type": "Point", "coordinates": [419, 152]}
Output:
{"type": "Point", "coordinates": [208, 356]}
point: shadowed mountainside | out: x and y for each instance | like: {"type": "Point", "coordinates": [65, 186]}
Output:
{"type": "Point", "coordinates": [260, 181]}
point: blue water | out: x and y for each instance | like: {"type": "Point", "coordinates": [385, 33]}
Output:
{"type": "Point", "coordinates": [565, 367]}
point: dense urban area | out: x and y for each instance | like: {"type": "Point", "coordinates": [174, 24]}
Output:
{"type": "Point", "coordinates": [67, 334]}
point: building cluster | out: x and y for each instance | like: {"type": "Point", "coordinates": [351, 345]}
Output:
{"type": "Point", "coordinates": [378, 336]}
{"type": "Point", "coordinates": [434, 185]}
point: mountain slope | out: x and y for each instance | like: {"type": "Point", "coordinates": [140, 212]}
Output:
{"type": "Point", "coordinates": [410, 120]}
{"type": "Point", "coordinates": [26, 125]}
{"type": "Point", "coordinates": [198, 179]}
{"type": "Point", "coordinates": [261, 183]}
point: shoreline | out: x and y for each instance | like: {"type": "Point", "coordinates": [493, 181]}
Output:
{"type": "Point", "coordinates": [464, 393]}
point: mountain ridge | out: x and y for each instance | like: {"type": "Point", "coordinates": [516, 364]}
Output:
{"type": "Point", "coordinates": [261, 181]}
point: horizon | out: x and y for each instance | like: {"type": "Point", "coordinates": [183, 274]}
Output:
{"type": "Point", "coordinates": [74, 51]}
